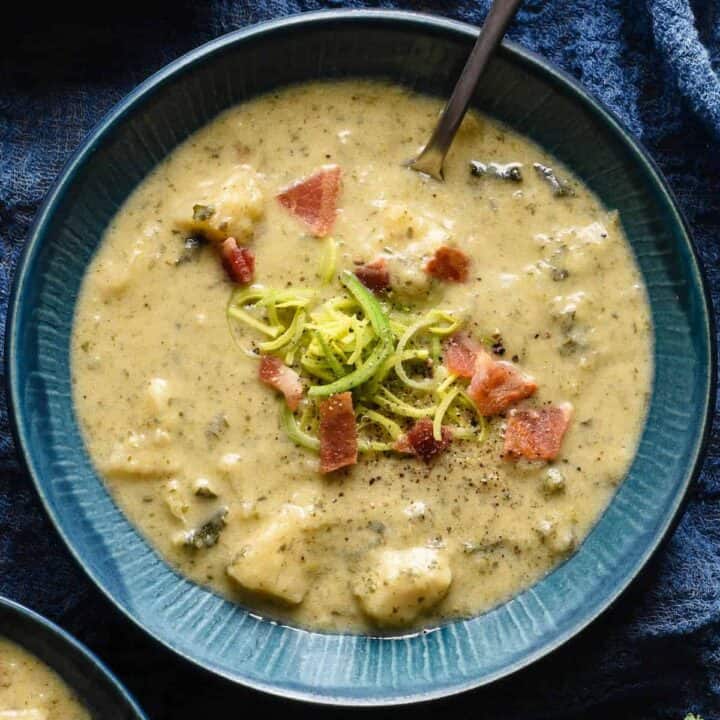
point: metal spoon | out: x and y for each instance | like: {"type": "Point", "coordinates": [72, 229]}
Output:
{"type": "Point", "coordinates": [430, 160]}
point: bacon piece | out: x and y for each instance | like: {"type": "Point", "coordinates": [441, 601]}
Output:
{"type": "Point", "coordinates": [460, 354]}
{"type": "Point", "coordinates": [276, 374]}
{"type": "Point", "coordinates": [496, 385]}
{"type": "Point", "coordinates": [448, 263]}
{"type": "Point", "coordinates": [374, 275]}
{"type": "Point", "coordinates": [338, 433]}
{"type": "Point", "coordinates": [314, 199]}
{"type": "Point", "coordinates": [238, 261]}
{"type": "Point", "coordinates": [420, 441]}
{"type": "Point", "coordinates": [536, 434]}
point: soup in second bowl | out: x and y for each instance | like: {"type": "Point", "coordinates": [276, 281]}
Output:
{"type": "Point", "coordinates": [30, 690]}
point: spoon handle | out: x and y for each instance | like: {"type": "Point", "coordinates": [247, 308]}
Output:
{"type": "Point", "coordinates": [430, 160]}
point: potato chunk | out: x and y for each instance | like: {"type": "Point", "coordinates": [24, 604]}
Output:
{"type": "Point", "coordinates": [158, 395]}
{"type": "Point", "coordinates": [112, 279]}
{"type": "Point", "coordinates": [175, 497]}
{"type": "Point", "coordinates": [143, 454]}
{"type": "Point", "coordinates": [412, 239]}
{"type": "Point", "coordinates": [407, 275]}
{"type": "Point", "coordinates": [230, 208]}
{"type": "Point", "coordinates": [403, 228]}
{"type": "Point", "coordinates": [402, 584]}
{"type": "Point", "coordinates": [270, 562]}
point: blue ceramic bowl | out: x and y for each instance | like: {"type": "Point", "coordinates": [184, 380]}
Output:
{"type": "Point", "coordinates": [96, 687]}
{"type": "Point", "coordinates": [425, 53]}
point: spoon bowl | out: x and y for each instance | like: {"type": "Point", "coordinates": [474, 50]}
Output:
{"type": "Point", "coordinates": [430, 160]}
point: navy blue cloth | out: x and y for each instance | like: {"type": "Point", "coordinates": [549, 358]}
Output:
{"type": "Point", "coordinates": [656, 653]}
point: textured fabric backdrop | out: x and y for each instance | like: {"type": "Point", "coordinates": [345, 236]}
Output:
{"type": "Point", "coordinates": [656, 654]}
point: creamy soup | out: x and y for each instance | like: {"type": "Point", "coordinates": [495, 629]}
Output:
{"type": "Point", "coordinates": [486, 339]}
{"type": "Point", "coordinates": [30, 690]}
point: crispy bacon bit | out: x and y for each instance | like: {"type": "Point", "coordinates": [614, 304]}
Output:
{"type": "Point", "coordinates": [497, 385]}
{"type": "Point", "coordinates": [238, 261]}
{"type": "Point", "coordinates": [419, 440]}
{"type": "Point", "coordinates": [338, 433]}
{"type": "Point", "coordinates": [374, 275]}
{"type": "Point", "coordinates": [536, 434]}
{"type": "Point", "coordinates": [276, 374]}
{"type": "Point", "coordinates": [314, 199]}
{"type": "Point", "coordinates": [460, 353]}
{"type": "Point", "coordinates": [449, 264]}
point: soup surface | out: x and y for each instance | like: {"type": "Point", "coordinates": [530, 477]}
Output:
{"type": "Point", "coordinates": [30, 690]}
{"type": "Point", "coordinates": [491, 366]}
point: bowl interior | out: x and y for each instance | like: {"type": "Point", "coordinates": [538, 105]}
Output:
{"type": "Point", "coordinates": [425, 54]}
{"type": "Point", "coordinates": [96, 688]}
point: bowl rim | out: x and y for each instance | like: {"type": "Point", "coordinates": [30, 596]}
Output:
{"type": "Point", "coordinates": [72, 646]}
{"type": "Point", "coordinates": [441, 25]}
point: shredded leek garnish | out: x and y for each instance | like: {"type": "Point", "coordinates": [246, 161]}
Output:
{"type": "Point", "coordinates": [283, 339]}
{"type": "Point", "coordinates": [329, 262]}
{"type": "Point", "coordinates": [478, 433]}
{"type": "Point", "coordinates": [440, 412]}
{"type": "Point", "coordinates": [329, 355]}
{"type": "Point", "coordinates": [453, 322]}
{"type": "Point", "coordinates": [317, 369]}
{"type": "Point", "coordinates": [391, 427]}
{"type": "Point", "coordinates": [389, 356]}
{"type": "Point", "coordinates": [371, 388]}
{"type": "Point", "coordinates": [237, 313]}
{"type": "Point", "coordinates": [446, 383]}
{"type": "Point", "coordinates": [383, 347]}
{"type": "Point", "coordinates": [368, 446]}
{"type": "Point", "coordinates": [435, 349]}
{"type": "Point", "coordinates": [295, 432]}
{"type": "Point", "coordinates": [392, 402]}
{"type": "Point", "coordinates": [423, 385]}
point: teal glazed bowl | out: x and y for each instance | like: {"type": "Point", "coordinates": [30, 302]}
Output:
{"type": "Point", "coordinates": [424, 53]}
{"type": "Point", "coordinates": [96, 687]}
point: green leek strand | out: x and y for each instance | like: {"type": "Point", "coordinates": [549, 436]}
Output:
{"type": "Point", "coordinates": [329, 355]}
{"type": "Point", "coordinates": [390, 426]}
{"type": "Point", "coordinates": [392, 402]}
{"type": "Point", "coordinates": [329, 261]}
{"type": "Point", "coordinates": [384, 347]}
{"type": "Point", "coordinates": [239, 314]}
{"type": "Point", "coordinates": [295, 432]}
{"type": "Point", "coordinates": [298, 321]}
{"type": "Point", "coordinates": [440, 413]}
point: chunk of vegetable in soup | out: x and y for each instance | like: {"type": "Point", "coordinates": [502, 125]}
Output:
{"type": "Point", "coordinates": [344, 394]}
{"type": "Point", "coordinates": [29, 690]}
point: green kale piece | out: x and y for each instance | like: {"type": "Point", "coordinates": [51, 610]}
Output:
{"type": "Point", "coordinates": [509, 171]}
{"type": "Point", "coordinates": [559, 186]}
{"type": "Point", "coordinates": [207, 534]}
{"type": "Point", "coordinates": [201, 213]}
